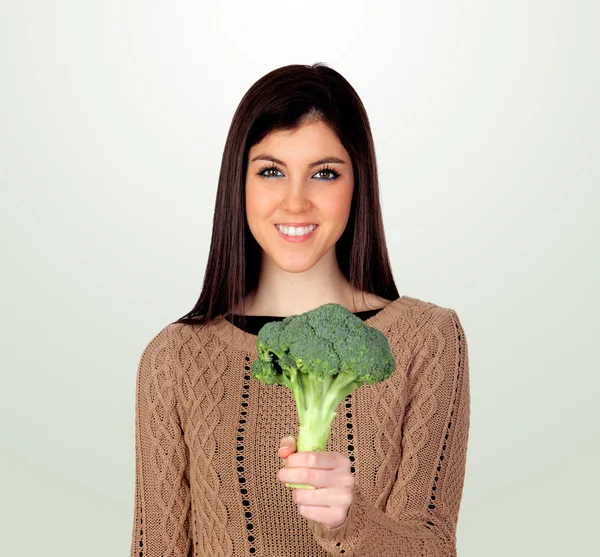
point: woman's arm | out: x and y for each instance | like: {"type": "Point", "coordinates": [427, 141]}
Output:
{"type": "Point", "coordinates": [421, 513]}
{"type": "Point", "coordinates": [162, 490]}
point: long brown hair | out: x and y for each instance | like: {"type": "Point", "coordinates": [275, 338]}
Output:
{"type": "Point", "coordinates": [285, 99]}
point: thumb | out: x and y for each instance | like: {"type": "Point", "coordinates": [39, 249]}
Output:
{"type": "Point", "coordinates": [287, 446]}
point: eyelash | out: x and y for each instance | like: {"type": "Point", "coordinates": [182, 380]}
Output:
{"type": "Point", "coordinates": [335, 173]}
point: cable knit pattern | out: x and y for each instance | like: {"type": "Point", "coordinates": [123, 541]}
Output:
{"type": "Point", "coordinates": [207, 436]}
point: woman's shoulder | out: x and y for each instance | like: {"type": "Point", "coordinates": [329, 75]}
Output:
{"type": "Point", "coordinates": [432, 320]}
{"type": "Point", "coordinates": [368, 301]}
{"type": "Point", "coordinates": [416, 312]}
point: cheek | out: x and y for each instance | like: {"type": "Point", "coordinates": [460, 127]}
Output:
{"type": "Point", "coordinates": [258, 203]}
{"type": "Point", "coordinates": [337, 204]}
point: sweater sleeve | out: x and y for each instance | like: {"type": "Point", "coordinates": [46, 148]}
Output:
{"type": "Point", "coordinates": [161, 525]}
{"type": "Point", "coordinates": [421, 514]}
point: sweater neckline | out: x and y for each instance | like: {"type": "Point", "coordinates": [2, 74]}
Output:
{"type": "Point", "coordinates": [236, 337]}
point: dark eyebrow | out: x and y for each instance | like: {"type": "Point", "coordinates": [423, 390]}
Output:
{"type": "Point", "coordinates": [316, 163]}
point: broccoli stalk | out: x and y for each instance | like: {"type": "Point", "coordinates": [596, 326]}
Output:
{"type": "Point", "coordinates": [322, 355]}
{"type": "Point", "coordinates": [317, 399]}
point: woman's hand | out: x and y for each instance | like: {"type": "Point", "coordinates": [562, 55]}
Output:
{"type": "Point", "coordinates": [329, 472]}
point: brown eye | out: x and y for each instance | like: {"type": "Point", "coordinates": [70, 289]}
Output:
{"type": "Point", "coordinates": [264, 172]}
{"type": "Point", "coordinates": [265, 169]}
{"type": "Point", "coordinates": [329, 170]}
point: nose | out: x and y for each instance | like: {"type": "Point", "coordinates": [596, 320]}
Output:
{"type": "Point", "coordinates": [295, 199]}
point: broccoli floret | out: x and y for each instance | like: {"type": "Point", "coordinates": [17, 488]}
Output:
{"type": "Point", "coordinates": [322, 356]}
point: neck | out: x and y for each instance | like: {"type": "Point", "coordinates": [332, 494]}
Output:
{"type": "Point", "coordinates": [282, 293]}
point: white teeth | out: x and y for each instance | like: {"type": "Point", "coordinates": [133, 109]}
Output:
{"type": "Point", "coordinates": [293, 231]}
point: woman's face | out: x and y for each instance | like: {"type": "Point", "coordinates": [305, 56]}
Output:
{"type": "Point", "coordinates": [294, 189]}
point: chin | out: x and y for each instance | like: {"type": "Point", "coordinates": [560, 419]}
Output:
{"type": "Point", "coordinates": [299, 265]}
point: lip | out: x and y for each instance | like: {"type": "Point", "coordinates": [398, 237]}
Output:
{"type": "Point", "coordinates": [297, 224]}
{"type": "Point", "coordinates": [296, 239]}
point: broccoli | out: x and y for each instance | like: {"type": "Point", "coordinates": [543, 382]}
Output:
{"type": "Point", "coordinates": [321, 355]}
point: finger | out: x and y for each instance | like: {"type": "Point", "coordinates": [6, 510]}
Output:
{"type": "Point", "coordinates": [288, 441]}
{"type": "Point", "coordinates": [327, 460]}
{"type": "Point", "coordinates": [315, 476]}
{"type": "Point", "coordinates": [330, 517]}
{"type": "Point", "coordinates": [284, 452]}
{"type": "Point", "coordinates": [288, 446]}
{"type": "Point", "coordinates": [323, 497]}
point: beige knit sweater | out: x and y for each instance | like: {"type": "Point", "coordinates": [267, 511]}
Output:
{"type": "Point", "coordinates": [207, 435]}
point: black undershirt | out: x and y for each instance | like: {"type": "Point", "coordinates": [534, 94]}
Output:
{"type": "Point", "coordinates": [255, 322]}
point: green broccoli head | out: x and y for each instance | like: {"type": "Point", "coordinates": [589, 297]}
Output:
{"type": "Point", "coordinates": [322, 356]}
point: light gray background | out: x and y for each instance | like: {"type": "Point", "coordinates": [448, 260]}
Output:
{"type": "Point", "coordinates": [113, 117]}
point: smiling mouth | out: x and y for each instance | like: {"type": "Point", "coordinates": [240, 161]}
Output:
{"type": "Point", "coordinates": [308, 233]}
{"type": "Point", "coordinates": [296, 232]}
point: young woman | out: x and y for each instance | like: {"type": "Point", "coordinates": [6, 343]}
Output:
{"type": "Point", "coordinates": [298, 224]}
